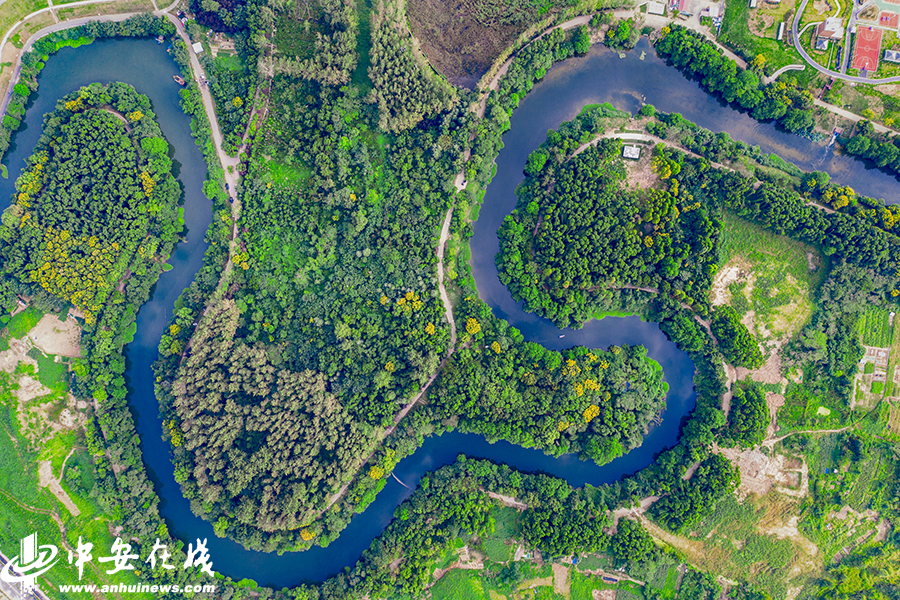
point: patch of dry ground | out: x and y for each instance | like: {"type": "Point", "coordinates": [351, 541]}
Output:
{"type": "Point", "coordinates": [561, 580]}
{"type": "Point", "coordinates": [774, 402]}
{"type": "Point", "coordinates": [735, 270]}
{"type": "Point", "coordinates": [604, 594]}
{"type": "Point", "coordinates": [770, 372]}
{"type": "Point", "coordinates": [638, 173]}
{"type": "Point", "coordinates": [636, 512]}
{"type": "Point", "coordinates": [57, 337]}
{"type": "Point", "coordinates": [761, 473]}
{"type": "Point", "coordinates": [894, 423]}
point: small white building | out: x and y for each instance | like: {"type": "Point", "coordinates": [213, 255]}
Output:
{"type": "Point", "coordinates": [752, 3]}
{"type": "Point", "coordinates": [198, 48]}
{"type": "Point", "coordinates": [656, 8]}
{"type": "Point", "coordinates": [632, 152]}
{"type": "Point", "coordinates": [830, 29]}
{"type": "Point", "coordinates": [780, 31]}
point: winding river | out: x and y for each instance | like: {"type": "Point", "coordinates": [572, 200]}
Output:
{"type": "Point", "coordinates": [601, 76]}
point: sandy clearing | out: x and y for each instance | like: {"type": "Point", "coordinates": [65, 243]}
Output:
{"type": "Point", "coordinates": [604, 594]}
{"type": "Point", "coordinates": [561, 580]}
{"type": "Point", "coordinates": [789, 531]}
{"type": "Point", "coordinates": [18, 352]}
{"type": "Point", "coordinates": [57, 337]}
{"type": "Point", "coordinates": [638, 172]}
{"type": "Point", "coordinates": [770, 372]}
{"type": "Point", "coordinates": [536, 582]}
{"type": "Point", "coordinates": [636, 512]}
{"type": "Point", "coordinates": [734, 270]}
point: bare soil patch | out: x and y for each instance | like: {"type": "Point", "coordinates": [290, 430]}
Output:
{"type": "Point", "coordinates": [770, 372]}
{"type": "Point", "coordinates": [604, 594]}
{"type": "Point", "coordinates": [760, 473]}
{"type": "Point", "coordinates": [57, 337]}
{"type": "Point", "coordinates": [458, 43]}
{"type": "Point", "coordinates": [736, 270]}
{"type": "Point", "coordinates": [561, 579]}
{"type": "Point", "coordinates": [894, 423]}
{"type": "Point", "coordinates": [774, 402]}
{"type": "Point", "coordinates": [638, 172]}
{"type": "Point", "coordinates": [761, 22]}
{"type": "Point", "coordinates": [508, 501]}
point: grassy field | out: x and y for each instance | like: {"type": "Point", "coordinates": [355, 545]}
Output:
{"type": "Point", "coordinates": [735, 542]}
{"type": "Point", "coordinates": [893, 361]}
{"type": "Point", "coordinates": [807, 409]}
{"type": "Point", "coordinates": [360, 76]}
{"type": "Point", "coordinates": [22, 322]}
{"type": "Point", "coordinates": [781, 284]}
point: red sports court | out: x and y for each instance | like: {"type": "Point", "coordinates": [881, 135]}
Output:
{"type": "Point", "coordinates": [889, 19]}
{"type": "Point", "coordinates": [868, 46]}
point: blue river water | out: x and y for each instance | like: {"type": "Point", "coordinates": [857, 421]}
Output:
{"type": "Point", "coordinates": [601, 76]}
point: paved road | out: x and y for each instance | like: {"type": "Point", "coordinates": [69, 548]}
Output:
{"type": "Point", "coordinates": [795, 31]}
{"type": "Point", "coordinates": [783, 69]}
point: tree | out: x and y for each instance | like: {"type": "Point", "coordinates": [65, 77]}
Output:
{"type": "Point", "coordinates": [631, 542]}
{"type": "Point", "coordinates": [582, 40]}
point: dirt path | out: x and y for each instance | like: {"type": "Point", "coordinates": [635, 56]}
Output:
{"type": "Point", "coordinates": [46, 479]}
{"type": "Point", "coordinates": [508, 501]}
{"type": "Point", "coordinates": [637, 512]}
{"type": "Point", "coordinates": [448, 309]}
{"type": "Point", "coordinates": [772, 441]}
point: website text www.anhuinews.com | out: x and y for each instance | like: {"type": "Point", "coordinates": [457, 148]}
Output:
{"type": "Point", "coordinates": [122, 588]}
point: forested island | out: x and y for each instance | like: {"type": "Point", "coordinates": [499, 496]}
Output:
{"type": "Point", "coordinates": [335, 324]}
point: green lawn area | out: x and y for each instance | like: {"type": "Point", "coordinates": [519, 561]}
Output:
{"type": "Point", "coordinates": [22, 322]}
{"type": "Point", "coordinates": [459, 584]}
{"type": "Point", "coordinates": [52, 374]}
{"type": "Point", "coordinates": [14, 10]}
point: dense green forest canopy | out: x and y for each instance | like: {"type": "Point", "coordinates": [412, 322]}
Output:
{"type": "Point", "coordinates": [277, 389]}
{"type": "Point", "coordinates": [593, 402]}
{"type": "Point", "coordinates": [97, 191]}
{"type": "Point", "coordinates": [579, 231]}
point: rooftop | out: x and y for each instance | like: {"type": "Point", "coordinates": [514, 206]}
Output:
{"type": "Point", "coordinates": [631, 152]}
{"type": "Point", "coordinates": [830, 29]}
